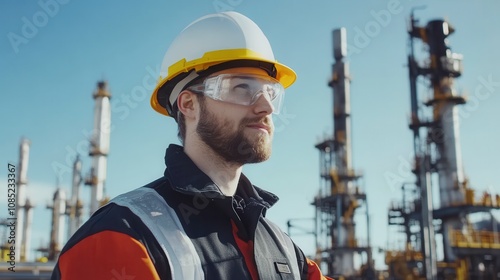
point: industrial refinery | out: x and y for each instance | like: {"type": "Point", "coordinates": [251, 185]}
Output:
{"type": "Point", "coordinates": [471, 250]}
{"type": "Point", "coordinates": [66, 211]}
{"type": "Point", "coordinates": [449, 229]}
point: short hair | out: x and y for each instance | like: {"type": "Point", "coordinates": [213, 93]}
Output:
{"type": "Point", "coordinates": [181, 126]}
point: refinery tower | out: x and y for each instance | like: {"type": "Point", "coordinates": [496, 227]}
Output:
{"type": "Point", "coordinates": [340, 196]}
{"type": "Point", "coordinates": [99, 146]}
{"type": "Point", "coordinates": [468, 251]}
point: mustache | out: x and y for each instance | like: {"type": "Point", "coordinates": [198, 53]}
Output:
{"type": "Point", "coordinates": [263, 120]}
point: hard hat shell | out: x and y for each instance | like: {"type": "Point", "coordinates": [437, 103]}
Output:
{"type": "Point", "coordinates": [208, 41]}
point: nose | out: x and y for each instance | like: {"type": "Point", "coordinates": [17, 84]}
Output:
{"type": "Point", "coordinates": [263, 105]}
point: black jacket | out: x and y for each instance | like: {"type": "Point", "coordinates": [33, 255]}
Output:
{"type": "Point", "coordinates": [231, 234]}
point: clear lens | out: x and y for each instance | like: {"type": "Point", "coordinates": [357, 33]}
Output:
{"type": "Point", "coordinates": [243, 89]}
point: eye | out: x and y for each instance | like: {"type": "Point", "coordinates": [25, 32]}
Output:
{"type": "Point", "coordinates": [241, 89]}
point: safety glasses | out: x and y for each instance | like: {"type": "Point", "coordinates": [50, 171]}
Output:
{"type": "Point", "coordinates": [242, 89]}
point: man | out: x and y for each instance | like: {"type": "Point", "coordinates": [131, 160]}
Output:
{"type": "Point", "coordinates": [203, 219]}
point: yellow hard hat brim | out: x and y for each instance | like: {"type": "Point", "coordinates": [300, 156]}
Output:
{"type": "Point", "coordinates": [284, 74]}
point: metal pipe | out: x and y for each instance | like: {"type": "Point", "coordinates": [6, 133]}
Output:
{"type": "Point", "coordinates": [74, 215]}
{"type": "Point", "coordinates": [22, 176]}
{"type": "Point", "coordinates": [430, 258]}
{"type": "Point", "coordinates": [58, 218]}
{"type": "Point", "coordinates": [28, 213]}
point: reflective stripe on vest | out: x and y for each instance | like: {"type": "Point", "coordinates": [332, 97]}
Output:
{"type": "Point", "coordinates": [165, 226]}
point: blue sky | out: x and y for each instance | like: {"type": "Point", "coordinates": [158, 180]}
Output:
{"type": "Point", "coordinates": [47, 78]}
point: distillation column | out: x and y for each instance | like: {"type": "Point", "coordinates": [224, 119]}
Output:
{"type": "Point", "coordinates": [442, 145]}
{"type": "Point", "coordinates": [444, 67]}
{"type": "Point", "coordinates": [343, 163]}
{"type": "Point", "coordinates": [99, 145]}
{"type": "Point", "coordinates": [22, 176]}
{"type": "Point", "coordinates": [340, 196]}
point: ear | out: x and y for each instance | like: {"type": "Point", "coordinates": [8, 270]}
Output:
{"type": "Point", "coordinates": [186, 104]}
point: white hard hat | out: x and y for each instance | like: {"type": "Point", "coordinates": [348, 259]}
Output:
{"type": "Point", "coordinates": [210, 44]}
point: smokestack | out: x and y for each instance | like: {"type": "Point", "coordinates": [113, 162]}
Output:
{"type": "Point", "coordinates": [99, 145]}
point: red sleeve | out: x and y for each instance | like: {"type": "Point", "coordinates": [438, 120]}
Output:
{"type": "Point", "coordinates": [107, 255]}
{"type": "Point", "coordinates": [313, 272]}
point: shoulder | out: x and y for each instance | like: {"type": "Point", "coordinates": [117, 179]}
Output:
{"type": "Point", "coordinates": [113, 243]}
{"type": "Point", "coordinates": [109, 245]}
{"type": "Point", "coordinates": [112, 218]}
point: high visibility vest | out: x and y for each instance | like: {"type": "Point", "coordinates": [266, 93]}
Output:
{"type": "Point", "coordinates": [166, 227]}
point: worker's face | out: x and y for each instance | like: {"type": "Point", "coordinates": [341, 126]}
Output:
{"type": "Point", "coordinates": [238, 133]}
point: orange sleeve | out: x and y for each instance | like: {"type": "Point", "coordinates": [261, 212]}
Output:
{"type": "Point", "coordinates": [107, 255]}
{"type": "Point", "coordinates": [313, 272]}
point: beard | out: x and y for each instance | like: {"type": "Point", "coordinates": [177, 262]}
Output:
{"type": "Point", "coordinates": [234, 147]}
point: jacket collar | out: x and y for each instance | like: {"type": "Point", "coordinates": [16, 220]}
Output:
{"type": "Point", "coordinates": [187, 178]}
